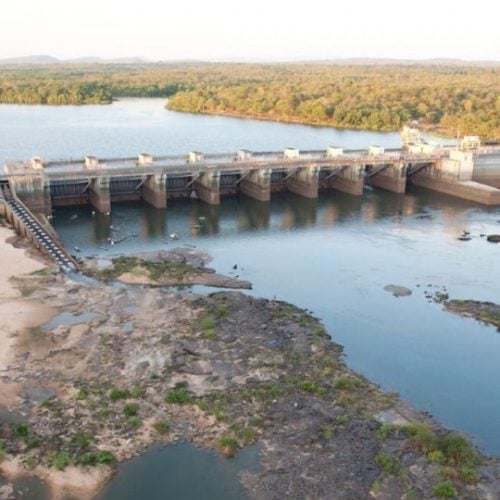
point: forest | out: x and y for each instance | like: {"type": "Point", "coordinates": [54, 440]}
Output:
{"type": "Point", "coordinates": [448, 99]}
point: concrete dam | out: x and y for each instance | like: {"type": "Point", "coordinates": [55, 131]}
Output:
{"type": "Point", "coordinates": [469, 174]}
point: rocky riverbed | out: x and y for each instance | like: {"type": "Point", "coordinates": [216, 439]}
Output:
{"type": "Point", "coordinates": [487, 312]}
{"type": "Point", "coordinates": [120, 367]}
{"type": "Point", "coordinates": [177, 267]}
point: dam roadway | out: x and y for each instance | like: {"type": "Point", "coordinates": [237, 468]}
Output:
{"type": "Point", "coordinates": [99, 182]}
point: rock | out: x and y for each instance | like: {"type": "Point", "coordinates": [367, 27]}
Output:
{"type": "Point", "coordinates": [493, 238]}
{"type": "Point", "coordinates": [6, 491]}
{"type": "Point", "coordinates": [398, 290]}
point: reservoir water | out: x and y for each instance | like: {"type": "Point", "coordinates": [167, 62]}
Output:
{"type": "Point", "coordinates": [333, 255]}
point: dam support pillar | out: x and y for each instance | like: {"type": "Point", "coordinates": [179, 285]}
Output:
{"type": "Point", "coordinates": [34, 192]}
{"type": "Point", "coordinates": [305, 182]}
{"type": "Point", "coordinates": [99, 195]}
{"type": "Point", "coordinates": [350, 180]}
{"type": "Point", "coordinates": [207, 187]}
{"type": "Point", "coordinates": [257, 184]}
{"type": "Point", "coordinates": [391, 178]}
{"type": "Point", "coordinates": [154, 190]}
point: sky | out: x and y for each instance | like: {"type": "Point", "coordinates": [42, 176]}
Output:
{"type": "Point", "coordinates": [256, 30]}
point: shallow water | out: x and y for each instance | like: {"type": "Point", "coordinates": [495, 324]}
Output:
{"type": "Point", "coordinates": [182, 472]}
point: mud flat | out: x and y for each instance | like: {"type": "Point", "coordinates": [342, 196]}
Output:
{"type": "Point", "coordinates": [223, 371]}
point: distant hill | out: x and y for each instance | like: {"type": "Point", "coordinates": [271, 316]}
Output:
{"type": "Point", "coordinates": [351, 61]}
{"type": "Point", "coordinates": [47, 60]}
{"type": "Point", "coordinates": [30, 60]}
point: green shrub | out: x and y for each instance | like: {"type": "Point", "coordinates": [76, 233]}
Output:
{"type": "Point", "coordinates": [228, 443]}
{"type": "Point", "coordinates": [161, 426]}
{"type": "Point", "coordinates": [207, 323]}
{"type": "Point", "coordinates": [131, 409]}
{"type": "Point", "coordinates": [134, 422]}
{"type": "Point", "coordinates": [457, 450]}
{"type": "Point", "coordinates": [388, 463]}
{"type": "Point", "coordinates": [60, 460]}
{"type": "Point", "coordinates": [82, 440]}
{"type": "Point", "coordinates": [385, 429]}
{"type": "Point", "coordinates": [445, 489]}
{"type": "Point", "coordinates": [468, 475]}
{"type": "Point", "coordinates": [221, 311]}
{"type": "Point", "coordinates": [100, 457]}
{"type": "Point", "coordinates": [327, 432]}
{"type": "Point", "coordinates": [422, 436]}
{"type": "Point", "coordinates": [22, 430]}
{"type": "Point", "coordinates": [247, 434]}
{"type": "Point", "coordinates": [179, 395]}
{"type": "Point", "coordinates": [117, 394]}
{"type": "Point", "coordinates": [83, 393]}
{"type": "Point", "coordinates": [307, 386]}
{"type": "Point", "coordinates": [3, 451]}
{"type": "Point", "coordinates": [436, 456]}
{"type": "Point", "coordinates": [347, 384]}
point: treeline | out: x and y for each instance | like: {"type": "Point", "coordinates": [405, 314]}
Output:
{"type": "Point", "coordinates": [463, 100]}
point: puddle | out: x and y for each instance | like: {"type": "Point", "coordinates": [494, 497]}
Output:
{"type": "Point", "coordinates": [67, 318]}
{"type": "Point", "coordinates": [182, 471]}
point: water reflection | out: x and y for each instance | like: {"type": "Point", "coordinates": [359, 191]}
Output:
{"type": "Point", "coordinates": [286, 211]}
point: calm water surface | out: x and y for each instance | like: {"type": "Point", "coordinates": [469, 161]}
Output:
{"type": "Point", "coordinates": [333, 255]}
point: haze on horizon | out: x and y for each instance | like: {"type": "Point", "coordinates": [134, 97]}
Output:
{"type": "Point", "coordinates": [261, 30]}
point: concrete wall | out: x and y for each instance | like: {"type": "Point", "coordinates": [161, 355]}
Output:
{"type": "Point", "coordinates": [392, 178]}
{"type": "Point", "coordinates": [350, 180]}
{"type": "Point", "coordinates": [487, 169]}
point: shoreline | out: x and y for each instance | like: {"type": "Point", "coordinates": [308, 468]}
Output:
{"type": "Point", "coordinates": [228, 360]}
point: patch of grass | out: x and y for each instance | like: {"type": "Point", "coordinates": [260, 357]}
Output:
{"type": "Point", "coordinates": [436, 457]}
{"type": "Point", "coordinates": [60, 460]}
{"type": "Point", "coordinates": [100, 457]}
{"type": "Point", "coordinates": [347, 384]}
{"type": "Point", "coordinates": [131, 409]}
{"type": "Point", "coordinates": [445, 489]}
{"type": "Point", "coordinates": [3, 451]}
{"type": "Point", "coordinates": [137, 391]}
{"type": "Point", "coordinates": [22, 430]}
{"type": "Point", "coordinates": [228, 444]}
{"type": "Point", "coordinates": [179, 395]}
{"type": "Point", "coordinates": [256, 421]}
{"type": "Point", "coordinates": [342, 419]}
{"type": "Point", "coordinates": [171, 269]}
{"type": "Point", "coordinates": [283, 312]}
{"type": "Point", "coordinates": [133, 422]}
{"type": "Point", "coordinates": [162, 426]}
{"type": "Point", "coordinates": [207, 323]}
{"type": "Point", "coordinates": [116, 394]}
{"type": "Point", "coordinates": [388, 463]}
{"type": "Point", "coordinates": [385, 429]}
{"type": "Point", "coordinates": [247, 434]}
{"type": "Point", "coordinates": [221, 311]}
{"type": "Point", "coordinates": [30, 462]}
{"type": "Point", "coordinates": [120, 265]}
{"type": "Point", "coordinates": [451, 450]}
{"type": "Point", "coordinates": [307, 386]}
{"type": "Point", "coordinates": [83, 393]}
{"type": "Point", "coordinates": [82, 440]}
{"type": "Point", "coordinates": [327, 432]}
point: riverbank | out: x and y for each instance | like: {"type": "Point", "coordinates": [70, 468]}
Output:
{"type": "Point", "coordinates": [222, 371]}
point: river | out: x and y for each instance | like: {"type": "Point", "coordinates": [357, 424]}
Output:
{"type": "Point", "coordinates": [333, 255]}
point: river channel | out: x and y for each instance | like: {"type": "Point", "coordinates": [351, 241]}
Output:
{"type": "Point", "coordinates": [333, 255]}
